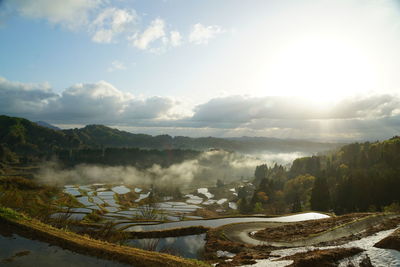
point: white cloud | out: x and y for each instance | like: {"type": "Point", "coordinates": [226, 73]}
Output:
{"type": "Point", "coordinates": [154, 32]}
{"type": "Point", "coordinates": [104, 22]}
{"type": "Point", "coordinates": [111, 22]}
{"type": "Point", "coordinates": [175, 38]}
{"type": "Point", "coordinates": [373, 117]}
{"type": "Point", "coordinates": [81, 103]}
{"type": "Point", "coordinates": [116, 65]}
{"type": "Point", "coordinates": [202, 34]}
{"type": "Point", "coordinates": [69, 13]}
{"type": "Point", "coordinates": [240, 109]}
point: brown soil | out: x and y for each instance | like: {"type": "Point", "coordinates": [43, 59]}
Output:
{"type": "Point", "coordinates": [386, 224]}
{"type": "Point", "coordinates": [300, 230]}
{"type": "Point", "coordinates": [245, 254]}
{"type": "Point", "coordinates": [205, 213]}
{"type": "Point", "coordinates": [322, 258]}
{"type": "Point", "coordinates": [391, 242]}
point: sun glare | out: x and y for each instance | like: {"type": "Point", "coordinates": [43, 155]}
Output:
{"type": "Point", "coordinates": [321, 69]}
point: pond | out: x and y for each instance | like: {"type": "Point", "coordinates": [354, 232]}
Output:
{"type": "Point", "coordinates": [19, 251]}
{"type": "Point", "coordinates": [190, 246]}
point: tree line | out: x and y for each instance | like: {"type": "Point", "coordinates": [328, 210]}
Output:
{"type": "Point", "coordinates": [358, 177]}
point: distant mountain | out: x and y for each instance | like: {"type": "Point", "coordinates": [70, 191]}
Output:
{"type": "Point", "coordinates": [100, 135]}
{"type": "Point", "coordinates": [48, 125]}
{"type": "Point", "coordinates": [23, 136]}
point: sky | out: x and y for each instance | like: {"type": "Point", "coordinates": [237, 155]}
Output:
{"type": "Point", "coordinates": [317, 70]}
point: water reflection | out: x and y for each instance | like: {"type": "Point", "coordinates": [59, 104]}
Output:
{"type": "Point", "coordinates": [223, 221]}
{"type": "Point", "coordinates": [19, 251]}
{"type": "Point", "coordinates": [190, 246]}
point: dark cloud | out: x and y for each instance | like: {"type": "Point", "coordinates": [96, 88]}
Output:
{"type": "Point", "coordinates": [20, 99]}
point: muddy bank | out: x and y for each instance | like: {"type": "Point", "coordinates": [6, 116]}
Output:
{"type": "Point", "coordinates": [326, 257]}
{"type": "Point", "coordinates": [391, 242]}
{"type": "Point", "coordinates": [301, 230]}
{"type": "Point", "coordinates": [240, 232]}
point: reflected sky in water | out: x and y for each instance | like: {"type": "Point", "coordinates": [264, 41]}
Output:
{"type": "Point", "coordinates": [191, 246]}
{"type": "Point", "coordinates": [43, 255]}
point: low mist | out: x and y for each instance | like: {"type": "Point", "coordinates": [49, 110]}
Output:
{"type": "Point", "coordinates": [205, 169]}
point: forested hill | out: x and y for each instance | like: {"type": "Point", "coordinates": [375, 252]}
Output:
{"type": "Point", "coordinates": [100, 135]}
{"type": "Point", "coordinates": [20, 137]}
{"type": "Point", "coordinates": [21, 131]}
{"type": "Point", "coordinates": [357, 177]}
{"type": "Point", "coordinates": [22, 141]}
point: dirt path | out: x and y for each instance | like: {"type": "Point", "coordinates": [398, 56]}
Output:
{"type": "Point", "coordinates": [240, 232]}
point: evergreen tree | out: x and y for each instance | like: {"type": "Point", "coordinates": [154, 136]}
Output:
{"type": "Point", "coordinates": [320, 197]}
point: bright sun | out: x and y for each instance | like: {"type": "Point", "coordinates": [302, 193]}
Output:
{"type": "Point", "coordinates": [321, 69]}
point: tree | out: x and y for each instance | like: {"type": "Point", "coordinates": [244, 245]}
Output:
{"type": "Point", "coordinates": [260, 173]}
{"type": "Point", "coordinates": [258, 208]}
{"type": "Point", "coordinates": [244, 206]}
{"type": "Point", "coordinates": [320, 196]}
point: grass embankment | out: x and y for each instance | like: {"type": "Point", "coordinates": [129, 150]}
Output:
{"type": "Point", "coordinates": [86, 245]}
{"type": "Point", "coordinates": [301, 230]}
{"type": "Point", "coordinates": [192, 230]}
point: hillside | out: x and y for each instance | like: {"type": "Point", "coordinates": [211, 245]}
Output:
{"type": "Point", "coordinates": [357, 177]}
{"type": "Point", "coordinates": [100, 135]}
{"type": "Point", "coordinates": [21, 138]}
{"type": "Point", "coordinates": [20, 135]}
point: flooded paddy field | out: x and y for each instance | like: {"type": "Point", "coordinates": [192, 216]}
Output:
{"type": "Point", "coordinates": [20, 251]}
{"type": "Point", "coordinates": [121, 204]}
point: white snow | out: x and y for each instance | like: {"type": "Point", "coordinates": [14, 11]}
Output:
{"type": "Point", "coordinates": [379, 257]}
{"type": "Point", "coordinates": [227, 254]}
{"type": "Point", "coordinates": [270, 263]}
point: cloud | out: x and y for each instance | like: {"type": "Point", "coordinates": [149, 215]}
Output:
{"type": "Point", "coordinates": [241, 109]}
{"type": "Point", "coordinates": [69, 13]}
{"type": "Point", "coordinates": [82, 103]}
{"type": "Point", "coordinates": [20, 99]}
{"type": "Point", "coordinates": [150, 108]}
{"type": "Point", "coordinates": [361, 117]}
{"type": "Point", "coordinates": [202, 34]}
{"type": "Point", "coordinates": [116, 65]}
{"type": "Point", "coordinates": [111, 22]}
{"type": "Point", "coordinates": [175, 38]}
{"type": "Point", "coordinates": [153, 32]}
